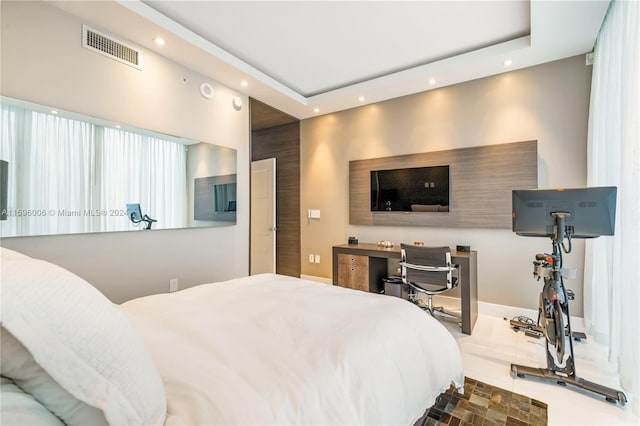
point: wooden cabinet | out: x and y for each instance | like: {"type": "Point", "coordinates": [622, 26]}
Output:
{"type": "Point", "coordinates": [353, 271]}
{"type": "Point", "coordinates": [361, 272]}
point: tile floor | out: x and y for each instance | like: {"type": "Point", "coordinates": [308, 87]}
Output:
{"type": "Point", "coordinates": [493, 346]}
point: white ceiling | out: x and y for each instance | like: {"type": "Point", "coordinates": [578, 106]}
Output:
{"type": "Point", "coordinates": [298, 56]}
{"type": "Point", "coordinates": [314, 47]}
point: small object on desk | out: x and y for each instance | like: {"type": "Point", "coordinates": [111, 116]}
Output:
{"type": "Point", "coordinates": [463, 248]}
{"type": "Point", "coordinates": [385, 244]}
{"type": "Point", "coordinates": [353, 240]}
{"type": "Point", "coordinates": [418, 243]}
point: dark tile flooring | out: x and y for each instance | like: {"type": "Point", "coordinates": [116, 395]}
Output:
{"type": "Point", "coordinates": [484, 405]}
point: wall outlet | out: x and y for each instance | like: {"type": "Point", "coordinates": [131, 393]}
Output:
{"type": "Point", "coordinates": [317, 258]}
{"type": "Point", "coordinates": [173, 285]}
{"type": "Point", "coordinates": [311, 258]}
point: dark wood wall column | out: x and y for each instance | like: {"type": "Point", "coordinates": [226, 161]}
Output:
{"type": "Point", "coordinates": [283, 144]}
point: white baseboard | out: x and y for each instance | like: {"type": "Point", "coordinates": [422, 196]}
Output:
{"type": "Point", "coordinates": [318, 279]}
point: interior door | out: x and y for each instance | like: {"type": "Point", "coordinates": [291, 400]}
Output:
{"type": "Point", "coordinates": [263, 216]}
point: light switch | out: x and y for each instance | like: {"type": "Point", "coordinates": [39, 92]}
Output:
{"type": "Point", "coordinates": [314, 214]}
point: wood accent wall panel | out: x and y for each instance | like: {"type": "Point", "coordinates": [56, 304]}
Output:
{"type": "Point", "coordinates": [204, 199]}
{"type": "Point", "coordinates": [265, 117]}
{"type": "Point", "coordinates": [481, 181]}
{"type": "Point", "coordinates": [283, 144]}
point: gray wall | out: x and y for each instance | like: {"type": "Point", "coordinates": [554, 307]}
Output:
{"type": "Point", "coordinates": [43, 62]}
{"type": "Point", "coordinates": [548, 103]}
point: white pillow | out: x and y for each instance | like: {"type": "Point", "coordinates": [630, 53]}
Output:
{"type": "Point", "coordinates": [20, 408]}
{"type": "Point", "coordinates": [82, 340]}
{"type": "Point", "coordinates": [17, 363]}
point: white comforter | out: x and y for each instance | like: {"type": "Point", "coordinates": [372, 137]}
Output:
{"type": "Point", "coordinates": [271, 349]}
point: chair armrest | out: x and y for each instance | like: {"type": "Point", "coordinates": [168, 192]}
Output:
{"type": "Point", "coordinates": [429, 268]}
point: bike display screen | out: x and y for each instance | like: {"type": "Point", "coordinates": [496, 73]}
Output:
{"type": "Point", "coordinates": [590, 212]}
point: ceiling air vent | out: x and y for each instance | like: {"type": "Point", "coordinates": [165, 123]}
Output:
{"type": "Point", "coordinates": [110, 47]}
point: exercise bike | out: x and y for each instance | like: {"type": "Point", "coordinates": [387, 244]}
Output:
{"type": "Point", "coordinates": [553, 313]}
{"type": "Point", "coordinates": [135, 216]}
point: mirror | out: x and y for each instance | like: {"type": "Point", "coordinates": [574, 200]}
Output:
{"type": "Point", "coordinates": [64, 173]}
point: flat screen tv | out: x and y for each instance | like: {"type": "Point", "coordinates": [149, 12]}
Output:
{"type": "Point", "coordinates": [592, 211]}
{"type": "Point", "coordinates": [417, 189]}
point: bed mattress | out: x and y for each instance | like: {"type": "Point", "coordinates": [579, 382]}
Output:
{"type": "Point", "coordinates": [271, 349]}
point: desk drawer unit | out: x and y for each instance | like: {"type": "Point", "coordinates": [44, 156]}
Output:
{"type": "Point", "coordinates": [353, 271]}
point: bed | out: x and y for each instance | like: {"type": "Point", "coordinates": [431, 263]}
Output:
{"type": "Point", "coordinates": [265, 349]}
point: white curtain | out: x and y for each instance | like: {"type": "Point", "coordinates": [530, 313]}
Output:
{"type": "Point", "coordinates": [54, 154]}
{"type": "Point", "coordinates": [612, 264]}
{"type": "Point", "coordinates": [70, 176]}
{"type": "Point", "coordinates": [12, 129]}
{"type": "Point", "coordinates": [141, 169]}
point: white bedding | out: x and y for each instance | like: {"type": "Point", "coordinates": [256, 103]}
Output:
{"type": "Point", "coordinates": [271, 349]}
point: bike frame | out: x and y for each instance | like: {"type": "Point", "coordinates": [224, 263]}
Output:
{"type": "Point", "coordinates": [553, 312]}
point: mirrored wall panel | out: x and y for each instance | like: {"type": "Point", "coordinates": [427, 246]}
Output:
{"type": "Point", "coordinates": [64, 173]}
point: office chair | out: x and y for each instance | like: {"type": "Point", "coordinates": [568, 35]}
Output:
{"type": "Point", "coordinates": [429, 270]}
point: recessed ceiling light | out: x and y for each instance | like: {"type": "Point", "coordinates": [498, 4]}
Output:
{"type": "Point", "coordinates": [508, 63]}
{"type": "Point", "coordinates": [432, 81]}
{"type": "Point", "coordinates": [316, 110]}
{"type": "Point", "coordinates": [361, 98]}
{"type": "Point", "coordinates": [159, 41]}
{"type": "Point", "coordinates": [244, 83]}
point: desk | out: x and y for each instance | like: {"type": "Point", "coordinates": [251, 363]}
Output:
{"type": "Point", "coordinates": [468, 285]}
